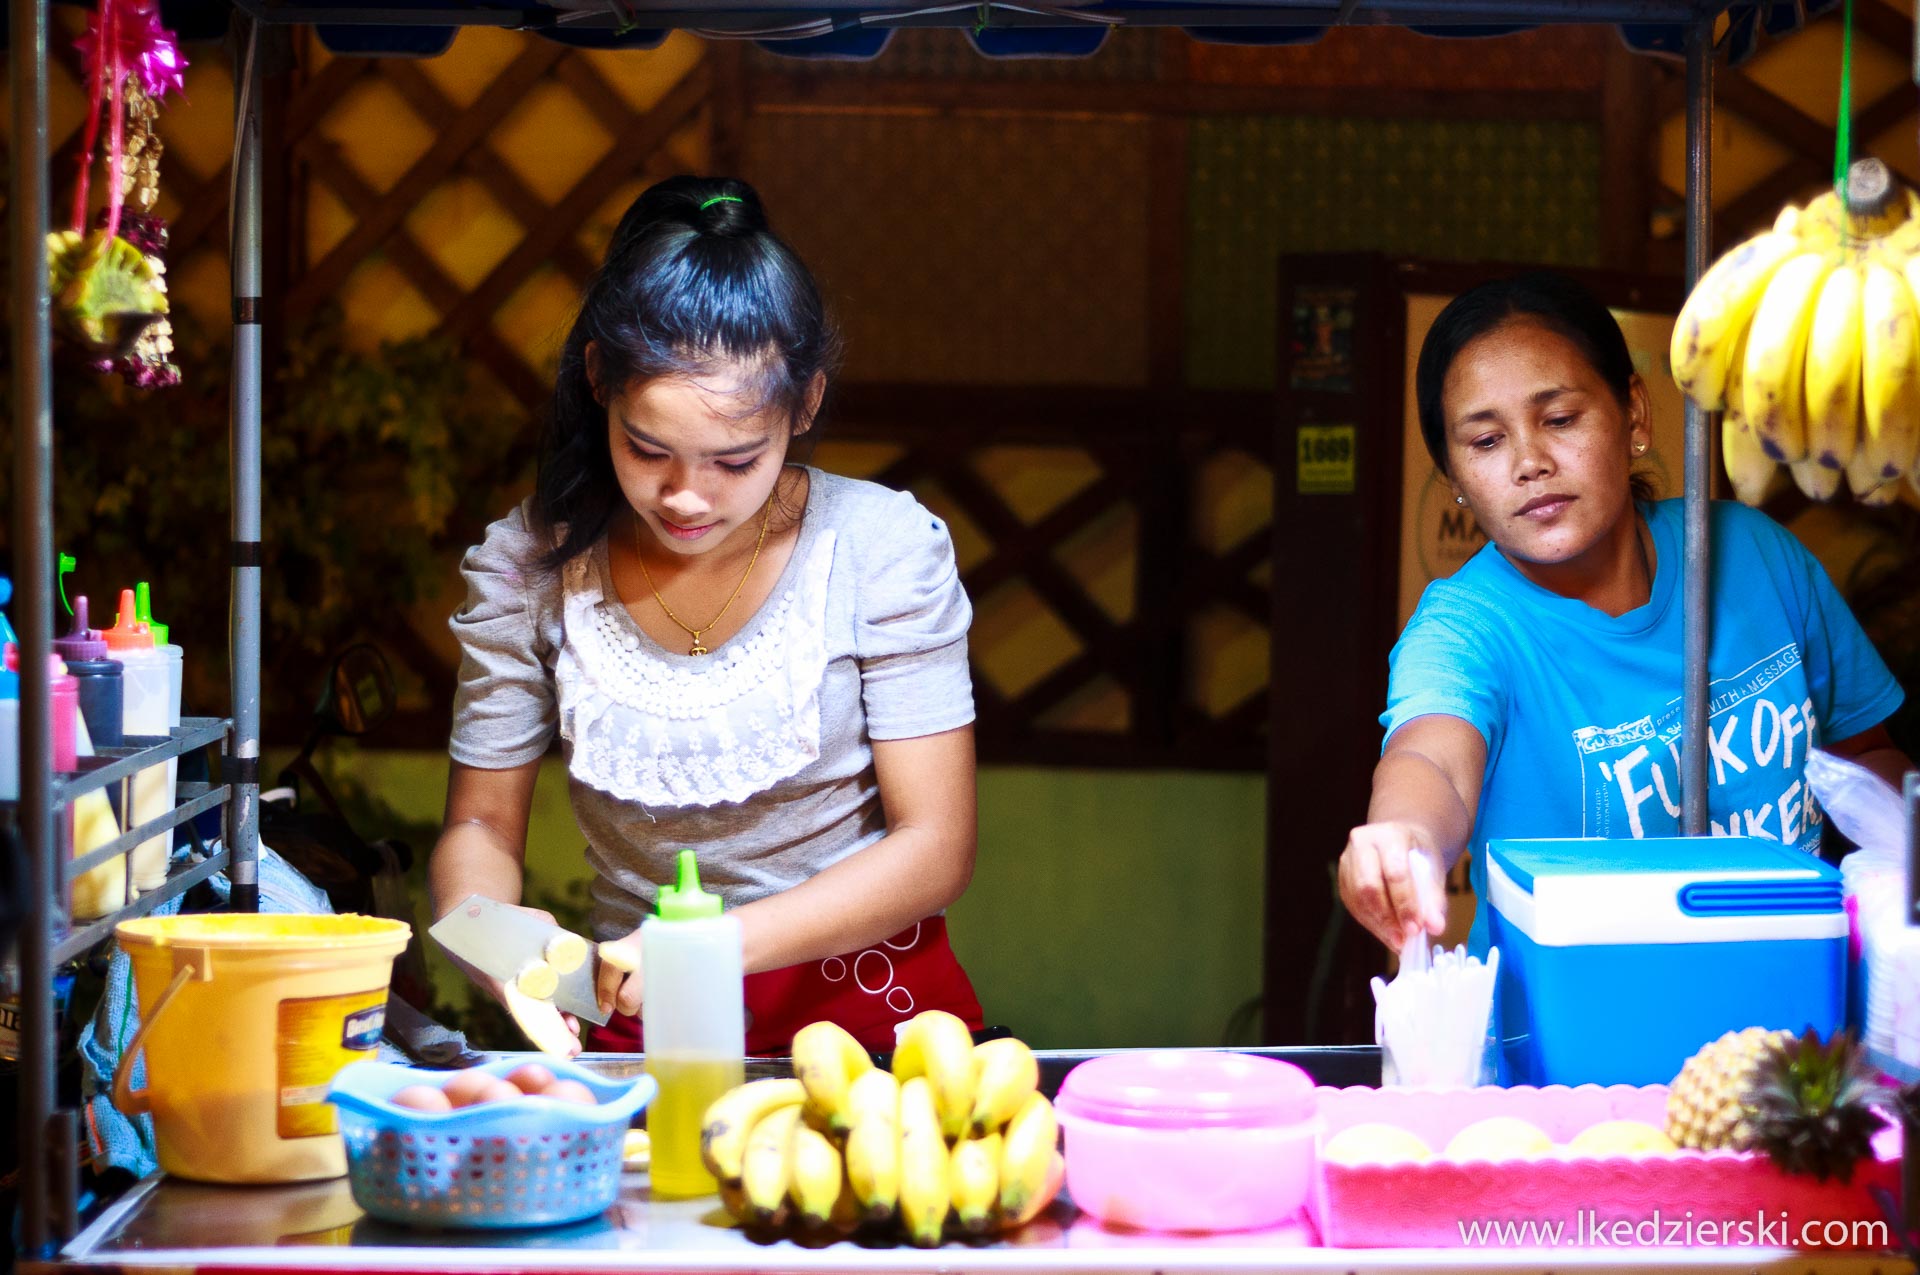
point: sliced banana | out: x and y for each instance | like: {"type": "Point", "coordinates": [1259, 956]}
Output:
{"type": "Point", "coordinates": [566, 952]}
{"type": "Point", "coordinates": [539, 980]}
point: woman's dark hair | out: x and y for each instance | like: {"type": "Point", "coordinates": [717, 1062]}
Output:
{"type": "Point", "coordinates": [1550, 299]}
{"type": "Point", "coordinates": [693, 277]}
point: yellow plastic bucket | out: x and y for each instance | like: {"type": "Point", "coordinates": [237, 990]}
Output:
{"type": "Point", "coordinates": [245, 1019]}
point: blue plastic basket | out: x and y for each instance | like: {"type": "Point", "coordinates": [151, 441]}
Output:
{"type": "Point", "coordinates": [531, 1161]}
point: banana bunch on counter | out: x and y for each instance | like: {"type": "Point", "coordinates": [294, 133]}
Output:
{"type": "Point", "coordinates": [1807, 338]}
{"type": "Point", "coordinates": [955, 1139]}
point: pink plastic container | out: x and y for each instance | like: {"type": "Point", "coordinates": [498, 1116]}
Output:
{"type": "Point", "coordinates": [1559, 1200]}
{"type": "Point", "coordinates": [1178, 1140]}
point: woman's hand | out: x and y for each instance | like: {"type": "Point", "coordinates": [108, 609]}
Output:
{"type": "Point", "coordinates": [621, 984]}
{"type": "Point", "coordinates": [496, 989]}
{"type": "Point", "coordinates": [1425, 790]}
{"type": "Point", "coordinates": [1378, 887]}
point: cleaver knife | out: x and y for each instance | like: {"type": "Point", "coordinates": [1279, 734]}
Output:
{"type": "Point", "coordinates": [500, 940]}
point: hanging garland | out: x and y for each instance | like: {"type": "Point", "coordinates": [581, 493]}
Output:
{"type": "Point", "coordinates": [109, 283]}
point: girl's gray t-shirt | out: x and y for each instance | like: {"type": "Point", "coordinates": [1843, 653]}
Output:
{"type": "Point", "coordinates": [756, 755]}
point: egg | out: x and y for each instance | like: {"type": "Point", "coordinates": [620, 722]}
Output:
{"type": "Point", "coordinates": [422, 1098]}
{"type": "Point", "coordinates": [571, 1091]}
{"type": "Point", "coordinates": [464, 1088]}
{"type": "Point", "coordinates": [532, 1078]}
{"type": "Point", "coordinates": [499, 1091]}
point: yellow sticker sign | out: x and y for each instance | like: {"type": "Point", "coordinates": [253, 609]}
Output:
{"type": "Point", "coordinates": [1326, 460]}
{"type": "Point", "coordinates": [318, 1036]}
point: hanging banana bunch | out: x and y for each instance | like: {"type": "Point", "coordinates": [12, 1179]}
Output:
{"type": "Point", "coordinates": [1807, 338]}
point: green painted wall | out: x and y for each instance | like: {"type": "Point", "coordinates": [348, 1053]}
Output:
{"type": "Point", "coordinates": [1107, 908]}
{"type": "Point", "coordinates": [1461, 190]}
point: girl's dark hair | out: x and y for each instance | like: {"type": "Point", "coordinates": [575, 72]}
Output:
{"type": "Point", "coordinates": [1547, 298]}
{"type": "Point", "coordinates": [693, 277]}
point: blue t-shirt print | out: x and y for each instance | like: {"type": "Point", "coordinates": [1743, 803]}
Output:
{"type": "Point", "coordinates": [1582, 713]}
{"type": "Point", "coordinates": [1761, 722]}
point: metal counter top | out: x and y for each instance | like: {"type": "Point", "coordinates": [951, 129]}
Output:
{"type": "Point", "coordinates": [171, 1225]}
{"type": "Point", "coordinates": [178, 1225]}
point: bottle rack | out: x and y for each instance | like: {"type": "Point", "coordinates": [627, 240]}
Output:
{"type": "Point", "coordinates": [191, 799]}
{"type": "Point", "coordinates": [49, 1172]}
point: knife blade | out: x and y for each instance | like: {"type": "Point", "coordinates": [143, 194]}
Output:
{"type": "Point", "coordinates": [501, 940]}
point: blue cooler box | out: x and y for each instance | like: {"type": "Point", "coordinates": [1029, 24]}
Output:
{"type": "Point", "coordinates": [1620, 959]}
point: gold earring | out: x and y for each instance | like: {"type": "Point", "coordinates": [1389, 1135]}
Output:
{"type": "Point", "coordinates": [1639, 449]}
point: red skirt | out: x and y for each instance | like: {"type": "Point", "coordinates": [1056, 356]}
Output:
{"type": "Point", "coordinates": [866, 992]}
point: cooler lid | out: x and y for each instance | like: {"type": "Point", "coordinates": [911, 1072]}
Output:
{"type": "Point", "coordinates": [1564, 892]}
{"type": "Point", "coordinates": [1525, 859]}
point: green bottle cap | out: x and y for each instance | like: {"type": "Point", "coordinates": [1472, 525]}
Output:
{"type": "Point", "coordinates": [66, 564]}
{"type": "Point", "coordinates": [143, 608]}
{"type": "Point", "coordinates": [684, 900]}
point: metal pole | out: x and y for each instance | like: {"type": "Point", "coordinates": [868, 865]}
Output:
{"type": "Point", "coordinates": [243, 635]}
{"type": "Point", "coordinates": [1698, 576]}
{"type": "Point", "coordinates": [33, 611]}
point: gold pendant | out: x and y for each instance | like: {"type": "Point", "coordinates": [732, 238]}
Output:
{"type": "Point", "coordinates": [697, 648]}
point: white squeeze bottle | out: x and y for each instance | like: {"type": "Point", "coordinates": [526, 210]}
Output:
{"type": "Point", "coordinates": [147, 696]}
{"type": "Point", "coordinates": [176, 662]}
{"type": "Point", "coordinates": [694, 1016]}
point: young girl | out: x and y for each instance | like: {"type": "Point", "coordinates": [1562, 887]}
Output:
{"type": "Point", "coordinates": [741, 655]}
{"type": "Point", "coordinates": [1536, 693]}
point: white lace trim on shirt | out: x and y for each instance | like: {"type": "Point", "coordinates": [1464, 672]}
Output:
{"type": "Point", "coordinates": [663, 734]}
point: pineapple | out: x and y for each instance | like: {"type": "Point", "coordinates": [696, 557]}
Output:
{"type": "Point", "coordinates": [1808, 1105]}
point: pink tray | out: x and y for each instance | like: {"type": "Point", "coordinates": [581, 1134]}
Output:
{"type": "Point", "coordinates": [1664, 1200]}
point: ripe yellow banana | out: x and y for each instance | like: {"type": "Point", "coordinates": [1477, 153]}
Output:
{"type": "Point", "coordinates": [1005, 1072]}
{"type": "Point", "coordinates": [1815, 479]}
{"type": "Point", "coordinates": [827, 1059]}
{"type": "Point", "coordinates": [938, 1045]}
{"type": "Point", "coordinates": [873, 1144]}
{"type": "Point", "coordinates": [539, 1021]}
{"type": "Point", "coordinates": [1833, 370]}
{"type": "Point", "coordinates": [923, 1165]}
{"type": "Point", "coordinates": [973, 1183]}
{"type": "Point", "coordinates": [1890, 374]}
{"type": "Point", "coordinates": [1773, 372]}
{"type": "Point", "coordinates": [1748, 465]}
{"type": "Point", "coordinates": [1821, 224]}
{"type": "Point", "coordinates": [1718, 311]}
{"type": "Point", "coordinates": [1056, 1176]}
{"type": "Point", "coordinates": [1868, 494]}
{"type": "Point", "coordinates": [1902, 241]}
{"type": "Point", "coordinates": [814, 1177]}
{"type": "Point", "coordinates": [766, 1171]}
{"type": "Point", "coordinates": [847, 1213]}
{"type": "Point", "coordinates": [733, 1197]}
{"type": "Point", "coordinates": [731, 1118]}
{"type": "Point", "coordinates": [1025, 1157]}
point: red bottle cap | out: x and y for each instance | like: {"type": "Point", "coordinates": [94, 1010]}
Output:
{"type": "Point", "coordinates": [128, 632]}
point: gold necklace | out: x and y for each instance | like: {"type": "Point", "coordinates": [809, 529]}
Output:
{"type": "Point", "coordinates": [698, 647]}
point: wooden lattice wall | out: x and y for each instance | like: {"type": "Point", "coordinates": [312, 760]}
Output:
{"type": "Point", "coordinates": [1010, 247]}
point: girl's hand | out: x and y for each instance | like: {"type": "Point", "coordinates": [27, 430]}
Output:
{"type": "Point", "coordinates": [621, 983]}
{"type": "Point", "coordinates": [1376, 883]}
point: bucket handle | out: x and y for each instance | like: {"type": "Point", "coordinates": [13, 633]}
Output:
{"type": "Point", "coordinates": [188, 965]}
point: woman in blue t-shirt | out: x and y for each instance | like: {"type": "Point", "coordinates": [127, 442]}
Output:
{"type": "Point", "coordinates": [1536, 693]}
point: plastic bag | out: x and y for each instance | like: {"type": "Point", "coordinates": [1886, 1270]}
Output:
{"type": "Point", "coordinates": [1864, 807]}
{"type": "Point", "coordinates": [1884, 994]}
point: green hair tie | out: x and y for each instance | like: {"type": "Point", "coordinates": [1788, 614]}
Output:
{"type": "Point", "coordinates": [722, 199]}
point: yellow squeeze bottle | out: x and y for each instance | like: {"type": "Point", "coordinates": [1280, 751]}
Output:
{"type": "Point", "coordinates": [694, 1015]}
